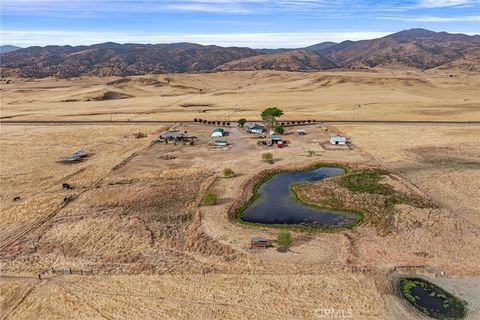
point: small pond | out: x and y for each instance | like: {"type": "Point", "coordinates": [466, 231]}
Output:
{"type": "Point", "coordinates": [277, 204]}
{"type": "Point", "coordinates": [431, 300]}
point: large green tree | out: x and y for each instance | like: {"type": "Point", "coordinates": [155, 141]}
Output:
{"type": "Point", "coordinates": [269, 115]}
{"type": "Point", "coordinates": [241, 122]}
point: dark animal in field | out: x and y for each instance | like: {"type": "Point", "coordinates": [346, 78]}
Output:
{"type": "Point", "coordinates": [16, 199]}
{"type": "Point", "coordinates": [66, 186]}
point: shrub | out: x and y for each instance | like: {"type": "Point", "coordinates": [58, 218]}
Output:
{"type": "Point", "coordinates": [284, 238]}
{"type": "Point", "coordinates": [228, 173]}
{"type": "Point", "coordinates": [279, 129]}
{"type": "Point", "coordinates": [267, 157]}
{"type": "Point", "coordinates": [210, 199]}
{"type": "Point", "coordinates": [311, 153]}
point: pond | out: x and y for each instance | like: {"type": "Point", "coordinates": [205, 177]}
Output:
{"type": "Point", "coordinates": [431, 300]}
{"type": "Point", "coordinates": [277, 204]}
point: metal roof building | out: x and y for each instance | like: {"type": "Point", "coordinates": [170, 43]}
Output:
{"type": "Point", "coordinates": [217, 132]}
{"type": "Point", "coordinates": [255, 128]}
{"type": "Point", "coordinates": [173, 135]}
{"type": "Point", "coordinates": [338, 140]}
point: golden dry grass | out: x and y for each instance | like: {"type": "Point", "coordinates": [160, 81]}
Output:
{"type": "Point", "coordinates": [158, 255]}
{"type": "Point", "coordinates": [378, 95]}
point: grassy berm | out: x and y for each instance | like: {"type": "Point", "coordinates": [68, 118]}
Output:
{"type": "Point", "coordinates": [374, 193]}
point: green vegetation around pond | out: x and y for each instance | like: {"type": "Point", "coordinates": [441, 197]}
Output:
{"type": "Point", "coordinates": [365, 191]}
{"type": "Point", "coordinates": [366, 181]}
{"type": "Point", "coordinates": [370, 181]}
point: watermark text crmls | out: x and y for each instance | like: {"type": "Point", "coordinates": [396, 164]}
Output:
{"type": "Point", "coordinates": [333, 313]}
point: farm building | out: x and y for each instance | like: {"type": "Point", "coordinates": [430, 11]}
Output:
{"type": "Point", "coordinates": [220, 143]}
{"type": "Point", "coordinates": [76, 156]}
{"type": "Point", "coordinates": [338, 140]}
{"type": "Point", "coordinates": [301, 132]}
{"type": "Point", "coordinates": [173, 135]}
{"type": "Point", "coordinates": [276, 138]}
{"type": "Point", "coordinates": [217, 132]}
{"type": "Point", "coordinates": [259, 242]}
{"type": "Point", "coordinates": [255, 128]}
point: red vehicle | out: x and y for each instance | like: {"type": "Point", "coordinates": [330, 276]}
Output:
{"type": "Point", "coordinates": [280, 144]}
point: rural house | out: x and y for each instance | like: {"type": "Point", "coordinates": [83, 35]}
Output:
{"type": "Point", "coordinates": [255, 128]}
{"type": "Point", "coordinates": [276, 139]}
{"type": "Point", "coordinates": [338, 140]}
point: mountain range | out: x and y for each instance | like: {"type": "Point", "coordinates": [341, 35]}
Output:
{"type": "Point", "coordinates": [8, 48]}
{"type": "Point", "coordinates": [416, 48]}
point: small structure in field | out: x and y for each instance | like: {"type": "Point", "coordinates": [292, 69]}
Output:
{"type": "Point", "coordinates": [220, 143]}
{"type": "Point", "coordinates": [301, 132]}
{"type": "Point", "coordinates": [173, 135]}
{"type": "Point", "coordinates": [338, 140]}
{"type": "Point", "coordinates": [76, 156]}
{"type": "Point", "coordinates": [218, 132]}
{"type": "Point", "coordinates": [255, 128]}
{"type": "Point", "coordinates": [259, 243]}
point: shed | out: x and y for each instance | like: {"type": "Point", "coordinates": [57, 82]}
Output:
{"type": "Point", "coordinates": [221, 143]}
{"type": "Point", "coordinates": [217, 132]}
{"type": "Point", "coordinates": [76, 156]}
{"type": "Point", "coordinates": [338, 140]}
{"type": "Point", "coordinates": [255, 128]}
{"type": "Point", "coordinates": [173, 135]}
{"type": "Point", "coordinates": [259, 242]}
{"type": "Point", "coordinates": [276, 139]}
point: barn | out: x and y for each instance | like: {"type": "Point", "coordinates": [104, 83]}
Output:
{"type": "Point", "coordinates": [217, 132]}
{"type": "Point", "coordinates": [338, 140]}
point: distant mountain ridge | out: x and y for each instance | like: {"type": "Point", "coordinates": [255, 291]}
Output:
{"type": "Point", "coordinates": [8, 48]}
{"type": "Point", "coordinates": [415, 48]}
{"type": "Point", "coordinates": [297, 60]}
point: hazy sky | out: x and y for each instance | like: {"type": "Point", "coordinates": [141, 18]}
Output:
{"type": "Point", "coordinates": [253, 23]}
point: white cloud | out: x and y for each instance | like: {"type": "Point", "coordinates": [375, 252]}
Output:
{"type": "Point", "coordinates": [434, 19]}
{"type": "Point", "coordinates": [446, 3]}
{"type": "Point", "coordinates": [218, 6]}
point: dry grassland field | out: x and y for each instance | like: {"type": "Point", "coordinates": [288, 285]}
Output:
{"type": "Point", "coordinates": [132, 239]}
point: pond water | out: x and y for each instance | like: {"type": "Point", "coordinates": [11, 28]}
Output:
{"type": "Point", "coordinates": [277, 203]}
{"type": "Point", "coordinates": [431, 300]}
